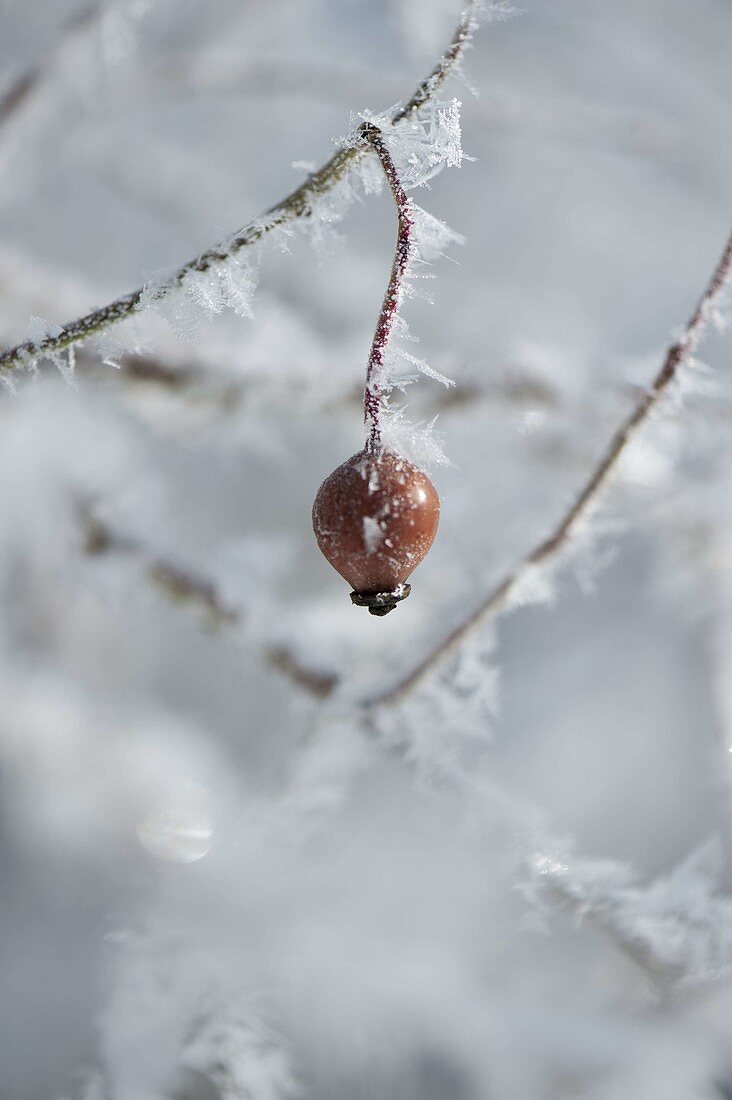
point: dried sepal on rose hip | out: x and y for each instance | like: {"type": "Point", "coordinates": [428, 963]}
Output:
{"type": "Point", "coordinates": [375, 517]}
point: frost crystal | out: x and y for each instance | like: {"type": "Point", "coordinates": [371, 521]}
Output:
{"type": "Point", "coordinates": [419, 442]}
{"type": "Point", "coordinates": [240, 1055]}
{"type": "Point", "coordinates": [372, 534]}
{"type": "Point", "coordinates": [446, 723]}
{"type": "Point", "coordinates": [534, 586]}
{"type": "Point", "coordinates": [432, 236]}
{"type": "Point", "coordinates": [678, 929]}
{"type": "Point", "coordinates": [427, 370]}
{"type": "Point", "coordinates": [230, 284]}
{"type": "Point", "coordinates": [38, 330]}
{"type": "Point", "coordinates": [421, 145]}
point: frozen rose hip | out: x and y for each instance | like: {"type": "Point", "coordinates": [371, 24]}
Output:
{"type": "Point", "coordinates": [375, 517]}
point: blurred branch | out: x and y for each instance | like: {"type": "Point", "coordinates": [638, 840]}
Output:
{"type": "Point", "coordinates": [23, 87]}
{"type": "Point", "coordinates": [180, 585]}
{"type": "Point", "coordinates": [296, 205]}
{"type": "Point", "coordinates": [675, 928]}
{"type": "Point", "coordinates": [520, 393]}
{"type": "Point", "coordinates": [188, 381]}
{"type": "Point", "coordinates": [551, 548]}
{"type": "Point", "coordinates": [185, 586]}
{"type": "Point", "coordinates": [17, 92]}
{"type": "Point", "coordinates": [605, 917]}
{"type": "Point", "coordinates": [580, 124]}
{"type": "Point", "coordinates": [318, 684]}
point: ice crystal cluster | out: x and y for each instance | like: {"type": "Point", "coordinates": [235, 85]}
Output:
{"type": "Point", "coordinates": [257, 845]}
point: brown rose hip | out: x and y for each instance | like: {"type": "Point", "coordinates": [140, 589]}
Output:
{"type": "Point", "coordinates": [375, 517]}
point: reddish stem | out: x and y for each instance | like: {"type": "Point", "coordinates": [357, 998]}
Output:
{"type": "Point", "coordinates": [392, 299]}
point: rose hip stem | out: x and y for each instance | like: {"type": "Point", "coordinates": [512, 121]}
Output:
{"type": "Point", "coordinates": [392, 299]}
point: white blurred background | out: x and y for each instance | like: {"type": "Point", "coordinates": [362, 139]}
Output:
{"type": "Point", "coordinates": [212, 883]}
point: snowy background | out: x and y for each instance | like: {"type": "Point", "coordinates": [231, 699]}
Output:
{"type": "Point", "coordinates": [214, 883]}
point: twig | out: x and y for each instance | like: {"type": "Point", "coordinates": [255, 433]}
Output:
{"type": "Point", "coordinates": [318, 684]}
{"type": "Point", "coordinates": [452, 55]}
{"type": "Point", "coordinates": [602, 915]}
{"type": "Point", "coordinates": [187, 380]}
{"type": "Point", "coordinates": [392, 298]}
{"type": "Point", "coordinates": [183, 586]}
{"type": "Point", "coordinates": [297, 204]}
{"type": "Point", "coordinates": [678, 353]}
{"type": "Point", "coordinates": [26, 83]}
{"type": "Point", "coordinates": [17, 93]}
{"type": "Point", "coordinates": [180, 585]}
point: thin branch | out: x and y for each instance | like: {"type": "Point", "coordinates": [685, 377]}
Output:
{"type": "Point", "coordinates": [17, 93]}
{"type": "Point", "coordinates": [394, 291]}
{"type": "Point", "coordinates": [189, 381]}
{"type": "Point", "coordinates": [184, 586]}
{"type": "Point", "coordinates": [180, 585]}
{"type": "Point", "coordinates": [496, 601]}
{"type": "Point", "coordinates": [450, 58]}
{"type": "Point", "coordinates": [296, 205]}
{"type": "Point", "coordinates": [315, 683]}
{"type": "Point", "coordinates": [602, 914]}
{"type": "Point", "coordinates": [692, 952]}
{"type": "Point", "coordinates": [26, 83]}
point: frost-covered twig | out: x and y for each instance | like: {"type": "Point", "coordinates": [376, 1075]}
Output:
{"type": "Point", "coordinates": [547, 551]}
{"type": "Point", "coordinates": [452, 55]}
{"type": "Point", "coordinates": [236, 1054]}
{"type": "Point", "coordinates": [296, 205]}
{"type": "Point", "coordinates": [404, 245]}
{"type": "Point", "coordinates": [675, 929]}
{"type": "Point", "coordinates": [567, 893]}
